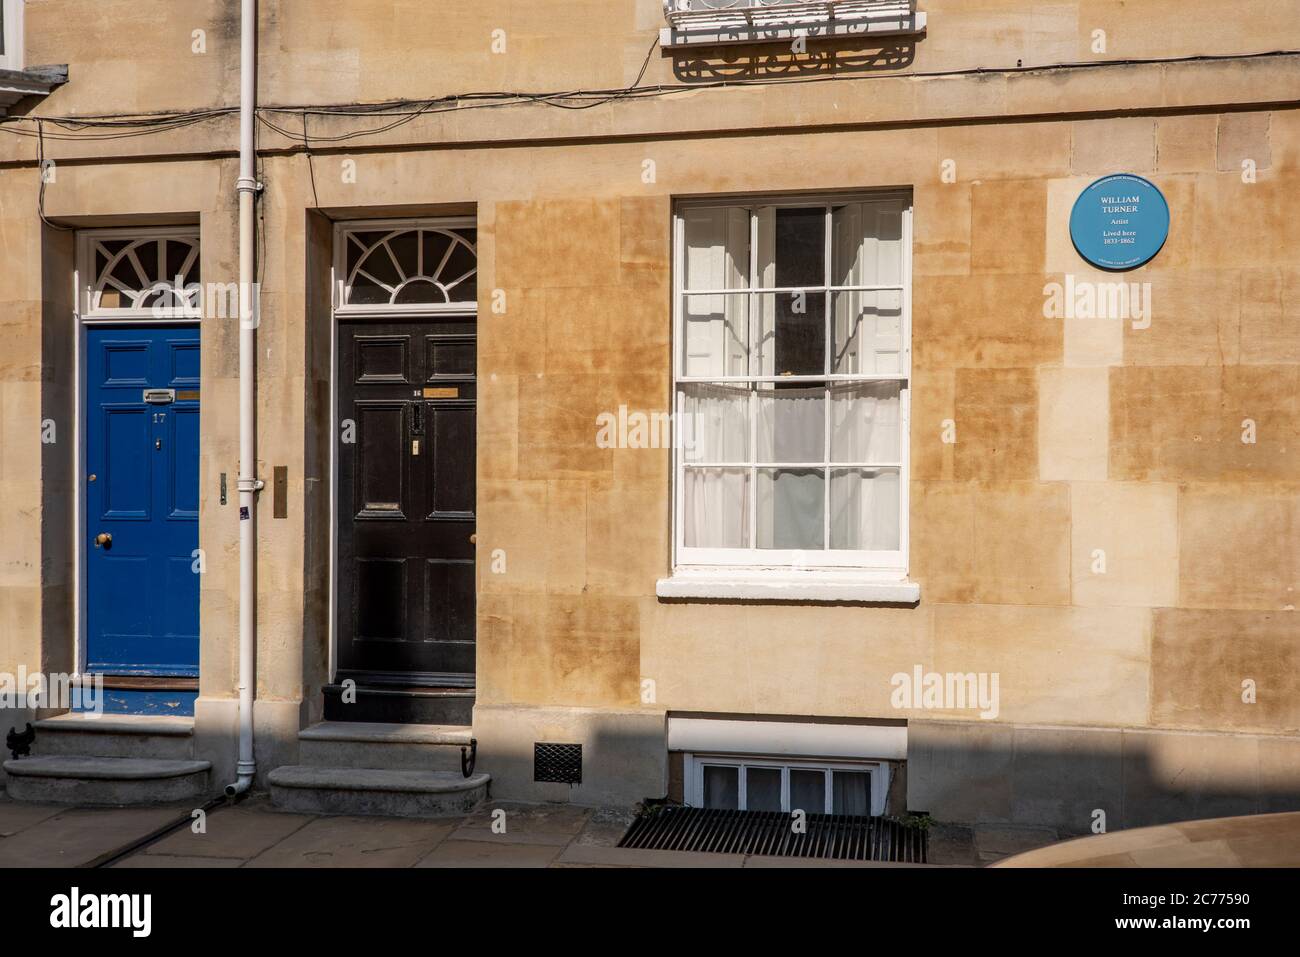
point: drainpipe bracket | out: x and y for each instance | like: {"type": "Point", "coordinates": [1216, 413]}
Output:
{"type": "Point", "coordinates": [247, 185]}
{"type": "Point", "coordinates": [250, 485]}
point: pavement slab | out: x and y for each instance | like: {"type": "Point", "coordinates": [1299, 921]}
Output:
{"type": "Point", "coordinates": [168, 861]}
{"type": "Point", "coordinates": [74, 838]}
{"type": "Point", "coordinates": [356, 842]}
{"type": "Point", "coordinates": [481, 853]}
{"type": "Point", "coordinates": [15, 817]}
{"type": "Point", "coordinates": [240, 832]}
{"type": "Point", "coordinates": [555, 824]}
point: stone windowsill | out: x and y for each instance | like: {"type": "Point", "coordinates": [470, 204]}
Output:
{"type": "Point", "coordinates": [787, 587]}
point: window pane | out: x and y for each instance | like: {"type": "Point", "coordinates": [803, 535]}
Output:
{"type": "Point", "coordinates": [715, 508]}
{"type": "Point", "coordinates": [791, 423]}
{"type": "Point", "coordinates": [868, 332]}
{"type": "Point", "coordinates": [867, 244]}
{"type": "Point", "coordinates": [852, 792]}
{"type": "Point", "coordinates": [865, 422]}
{"type": "Point", "coordinates": [792, 333]}
{"type": "Point", "coordinates": [714, 424]}
{"type": "Point", "coordinates": [807, 791]}
{"type": "Point", "coordinates": [790, 508]}
{"type": "Point", "coordinates": [721, 787]}
{"type": "Point", "coordinates": [762, 789]}
{"type": "Point", "coordinates": [864, 509]}
{"type": "Point", "coordinates": [717, 248]}
{"type": "Point", "coordinates": [792, 247]}
{"type": "Point", "coordinates": [715, 336]}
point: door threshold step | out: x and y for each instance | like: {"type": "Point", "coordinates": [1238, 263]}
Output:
{"type": "Point", "coordinates": [386, 704]}
{"type": "Point", "coordinates": [92, 779]}
{"type": "Point", "coordinates": [115, 736]}
{"type": "Point", "coordinates": [405, 691]}
{"type": "Point", "coordinates": [88, 722]}
{"type": "Point", "coordinates": [380, 732]}
{"type": "Point", "coordinates": [376, 791]}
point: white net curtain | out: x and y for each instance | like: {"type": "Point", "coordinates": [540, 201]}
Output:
{"type": "Point", "coordinates": [792, 376]}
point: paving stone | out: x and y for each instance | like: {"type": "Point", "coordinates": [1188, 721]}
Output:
{"type": "Point", "coordinates": [138, 861]}
{"type": "Point", "coordinates": [79, 836]}
{"type": "Point", "coordinates": [480, 852]}
{"type": "Point", "coordinates": [15, 817]}
{"type": "Point", "coordinates": [237, 832]}
{"type": "Point", "coordinates": [555, 824]}
{"type": "Point", "coordinates": [356, 842]}
{"type": "Point", "coordinates": [606, 826]}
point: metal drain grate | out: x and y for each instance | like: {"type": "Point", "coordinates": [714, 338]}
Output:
{"type": "Point", "coordinates": [827, 836]}
{"type": "Point", "coordinates": [557, 763]}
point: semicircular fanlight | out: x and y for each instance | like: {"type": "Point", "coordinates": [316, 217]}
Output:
{"type": "Point", "coordinates": [150, 274]}
{"type": "Point", "coordinates": [416, 265]}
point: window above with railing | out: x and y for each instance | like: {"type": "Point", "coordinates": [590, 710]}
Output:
{"type": "Point", "coordinates": [712, 22]}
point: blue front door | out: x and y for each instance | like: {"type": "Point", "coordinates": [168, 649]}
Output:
{"type": "Point", "coordinates": [142, 500]}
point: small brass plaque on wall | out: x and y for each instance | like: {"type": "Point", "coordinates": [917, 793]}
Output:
{"type": "Point", "coordinates": [447, 392]}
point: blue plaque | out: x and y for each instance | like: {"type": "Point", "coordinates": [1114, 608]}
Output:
{"type": "Point", "coordinates": [1119, 222]}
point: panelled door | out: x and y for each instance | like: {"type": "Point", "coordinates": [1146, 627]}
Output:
{"type": "Point", "coordinates": [141, 494]}
{"type": "Point", "coordinates": [406, 499]}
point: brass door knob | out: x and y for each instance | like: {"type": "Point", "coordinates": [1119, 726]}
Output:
{"type": "Point", "coordinates": [103, 539]}
{"type": "Point", "coordinates": [473, 539]}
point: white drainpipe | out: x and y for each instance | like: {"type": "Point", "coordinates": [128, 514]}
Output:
{"type": "Point", "coordinates": [248, 482]}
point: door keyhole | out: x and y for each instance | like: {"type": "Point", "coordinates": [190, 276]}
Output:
{"type": "Point", "coordinates": [157, 443]}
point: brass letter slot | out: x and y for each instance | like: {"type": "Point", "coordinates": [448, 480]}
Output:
{"type": "Point", "coordinates": [159, 396]}
{"type": "Point", "coordinates": [447, 392]}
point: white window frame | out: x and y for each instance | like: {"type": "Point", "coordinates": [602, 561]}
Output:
{"type": "Point", "coordinates": [693, 777]}
{"type": "Point", "coordinates": [342, 237]}
{"type": "Point", "coordinates": [828, 566]}
{"type": "Point", "coordinates": [88, 304]}
{"type": "Point", "coordinates": [12, 58]}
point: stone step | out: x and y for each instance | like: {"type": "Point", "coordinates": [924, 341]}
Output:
{"type": "Point", "coordinates": [166, 737]}
{"type": "Point", "coordinates": [298, 787]}
{"type": "Point", "coordinates": [394, 747]}
{"type": "Point", "coordinates": [392, 705]}
{"type": "Point", "coordinates": [78, 779]}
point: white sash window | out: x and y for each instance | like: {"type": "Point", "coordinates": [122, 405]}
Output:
{"type": "Point", "coordinates": [11, 35]}
{"type": "Point", "coordinates": [791, 383]}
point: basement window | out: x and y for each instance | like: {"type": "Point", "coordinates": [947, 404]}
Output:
{"type": "Point", "coordinates": [714, 22]}
{"type": "Point", "coordinates": [769, 784]}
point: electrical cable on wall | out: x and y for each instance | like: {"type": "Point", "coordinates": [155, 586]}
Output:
{"type": "Point", "coordinates": [399, 112]}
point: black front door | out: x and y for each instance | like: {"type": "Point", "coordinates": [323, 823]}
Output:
{"type": "Point", "coordinates": [406, 404]}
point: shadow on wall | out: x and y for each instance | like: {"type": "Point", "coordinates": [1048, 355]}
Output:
{"type": "Point", "coordinates": [1066, 778]}
{"type": "Point", "coordinates": [779, 60]}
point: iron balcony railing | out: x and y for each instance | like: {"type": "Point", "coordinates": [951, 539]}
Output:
{"type": "Point", "coordinates": [755, 21]}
